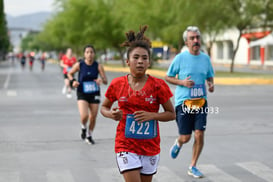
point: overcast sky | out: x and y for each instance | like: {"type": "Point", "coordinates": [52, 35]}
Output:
{"type": "Point", "coordinates": [20, 7]}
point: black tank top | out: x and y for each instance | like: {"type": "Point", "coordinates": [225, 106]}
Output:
{"type": "Point", "coordinates": [86, 77]}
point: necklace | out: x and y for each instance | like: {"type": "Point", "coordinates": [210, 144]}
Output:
{"type": "Point", "coordinates": [139, 82]}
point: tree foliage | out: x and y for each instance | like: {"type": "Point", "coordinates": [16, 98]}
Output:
{"type": "Point", "coordinates": [4, 38]}
{"type": "Point", "coordinates": [244, 15]}
{"type": "Point", "coordinates": [29, 43]}
{"type": "Point", "coordinates": [104, 22]}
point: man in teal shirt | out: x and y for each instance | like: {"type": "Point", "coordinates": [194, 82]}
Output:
{"type": "Point", "coordinates": [190, 71]}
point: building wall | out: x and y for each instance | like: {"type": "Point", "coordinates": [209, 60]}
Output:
{"type": "Point", "coordinates": [226, 42]}
{"type": "Point", "coordinates": [224, 45]}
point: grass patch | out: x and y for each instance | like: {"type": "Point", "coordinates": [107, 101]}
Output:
{"type": "Point", "coordinates": [242, 74]}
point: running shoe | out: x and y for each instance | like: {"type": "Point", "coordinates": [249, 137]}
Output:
{"type": "Point", "coordinates": [193, 171]}
{"type": "Point", "coordinates": [69, 95]}
{"type": "Point", "coordinates": [174, 151]}
{"type": "Point", "coordinates": [64, 90]}
{"type": "Point", "coordinates": [90, 140]}
{"type": "Point", "coordinates": [83, 134]}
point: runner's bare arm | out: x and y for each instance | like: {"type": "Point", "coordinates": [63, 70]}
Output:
{"type": "Point", "coordinates": [174, 80]}
{"type": "Point", "coordinates": [74, 69]}
{"type": "Point", "coordinates": [167, 115]}
{"type": "Point", "coordinates": [102, 74]}
{"type": "Point", "coordinates": [62, 64]}
{"type": "Point", "coordinates": [113, 113]}
{"type": "Point", "coordinates": [210, 82]}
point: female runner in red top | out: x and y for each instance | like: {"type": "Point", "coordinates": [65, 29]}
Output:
{"type": "Point", "coordinates": [67, 61]}
{"type": "Point", "coordinates": [139, 95]}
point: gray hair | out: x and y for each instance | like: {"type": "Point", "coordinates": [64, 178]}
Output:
{"type": "Point", "coordinates": [191, 29]}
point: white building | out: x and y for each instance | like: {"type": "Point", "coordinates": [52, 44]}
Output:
{"type": "Point", "coordinates": [255, 48]}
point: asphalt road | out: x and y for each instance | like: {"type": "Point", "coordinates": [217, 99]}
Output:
{"type": "Point", "coordinates": [39, 134]}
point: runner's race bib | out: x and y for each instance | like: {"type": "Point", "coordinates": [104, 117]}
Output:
{"type": "Point", "coordinates": [198, 91]}
{"type": "Point", "coordinates": [90, 87]}
{"type": "Point", "coordinates": [137, 130]}
{"type": "Point", "coordinates": [68, 69]}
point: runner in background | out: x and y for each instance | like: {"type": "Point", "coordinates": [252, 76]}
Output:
{"type": "Point", "coordinates": [67, 61]}
{"type": "Point", "coordinates": [192, 73]}
{"type": "Point", "coordinates": [31, 59]}
{"type": "Point", "coordinates": [88, 90]}
{"type": "Point", "coordinates": [43, 60]}
{"type": "Point", "coordinates": [22, 60]}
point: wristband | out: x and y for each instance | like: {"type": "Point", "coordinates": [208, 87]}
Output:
{"type": "Point", "coordinates": [71, 82]}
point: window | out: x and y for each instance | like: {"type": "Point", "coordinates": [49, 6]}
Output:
{"type": "Point", "coordinates": [220, 50]}
{"type": "Point", "coordinates": [255, 53]}
{"type": "Point", "coordinates": [229, 49]}
{"type": "Point", "coordinates": [270, 53]}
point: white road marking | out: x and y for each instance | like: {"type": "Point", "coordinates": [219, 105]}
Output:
{"type": "Point", "coordinates": [12, 93]}
{"type": "Point", "coordinates": [9, 177]}
{"type": "Point", "coordinates": [59, 176]}
{"type": "Point", "coordinates": [215, 174]}
{"type": "Point", "coordinates": [164, 174]}
{"type": "Point", "coordinates": [109, 174]}
{"type": "Point", "coordinates": [258, 169]}
{"type": "Point", "coordinates": [6, 84]}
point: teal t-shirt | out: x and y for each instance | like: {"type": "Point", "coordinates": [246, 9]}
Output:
{"type": "Point", "coordinates": [198, 67]}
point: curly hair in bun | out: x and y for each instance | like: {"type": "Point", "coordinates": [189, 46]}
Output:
{"type": "Point", "coordinates": [137, 40]}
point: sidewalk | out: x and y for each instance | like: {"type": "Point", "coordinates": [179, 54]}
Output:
{"type": "Point", "coordinates": [244, 68]}
{"type": "Point", "coordinates": [217, 80]}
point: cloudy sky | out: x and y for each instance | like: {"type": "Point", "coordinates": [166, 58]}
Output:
{"type": "Point", "coordinates": [20, 7]}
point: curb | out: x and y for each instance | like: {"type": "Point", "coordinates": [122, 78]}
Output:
{"type": "Point", "coordinates": [217, 80]}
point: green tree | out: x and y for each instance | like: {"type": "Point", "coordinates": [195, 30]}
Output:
{"type": "Point", "coordinates": [28, 42]}
{"type": "Point", "coordinates": [4, 38]}
{"type": "Point", "coordinates": [104, 22]}
{"type": "Point", "coordinates": [83, 22]}
{"type": "Point", "coordinates": [243, 15]}
{"type": "Point", "coordinates": [268, 13]}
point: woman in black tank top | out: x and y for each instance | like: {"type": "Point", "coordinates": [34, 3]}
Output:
{"type": "Point", "coordinates": [91, 75]}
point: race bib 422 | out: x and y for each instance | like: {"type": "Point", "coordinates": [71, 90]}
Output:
{"type": "Point", "coordinates": [137, 130]}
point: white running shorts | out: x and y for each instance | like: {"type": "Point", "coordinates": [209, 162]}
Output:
{"type": "Point", "coordinates": [128, 161]}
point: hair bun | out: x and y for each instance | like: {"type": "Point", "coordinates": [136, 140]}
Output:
{"type": "Point", "coordinates": [132, 38]}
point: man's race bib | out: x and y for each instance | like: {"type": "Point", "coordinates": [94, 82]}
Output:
{"type": "Point", "coordinates": [90, 87]}
{"type": "Point", "coordinates": [144, 130]}
{"type": "Point", "coordinates": [197, 91]}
